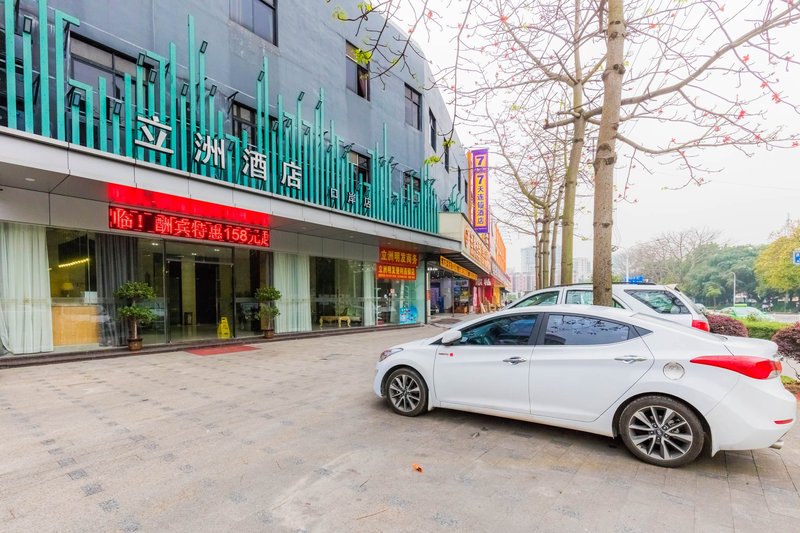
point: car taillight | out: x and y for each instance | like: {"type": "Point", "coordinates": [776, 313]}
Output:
{"type": "Point", "coordinates": [701, 324]}
{"type": "Point", "coordinates": [752, 367]}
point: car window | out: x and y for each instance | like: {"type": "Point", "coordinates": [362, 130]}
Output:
{"type": "Point", "coordinates": [541, 298]}
{"type": "Point", "coordinates": [585, 297]}
{"type": "Point", "coordinates": [660, 301]}
{"type": "Point", "coordinates": [571, 330]}
{"type": "Point", "coordinates": [501, 331]}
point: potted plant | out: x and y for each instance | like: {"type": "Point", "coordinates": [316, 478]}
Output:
{"type": "Point", "coordinates": [267, 311]}
{"type": "Point", "coordinates": [133, 292]}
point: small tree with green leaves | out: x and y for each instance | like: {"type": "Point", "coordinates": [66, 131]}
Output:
{"type": "Point", "coordinates": [133, 292]}
{"type": "Point", "coordinates": [267, 311]}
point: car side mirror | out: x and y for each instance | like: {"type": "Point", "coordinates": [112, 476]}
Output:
{"type": "Point", "coordinates": [451, 336]}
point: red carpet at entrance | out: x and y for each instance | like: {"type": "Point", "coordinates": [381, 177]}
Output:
{"type": "Point", "coordinates": [219, 350]}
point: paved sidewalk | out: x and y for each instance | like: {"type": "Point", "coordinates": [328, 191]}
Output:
{"type": "Point", "coordinates": [289, 437]}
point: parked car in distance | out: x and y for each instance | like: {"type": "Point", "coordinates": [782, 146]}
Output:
{"type": "Point", "coordinates": [739, 311]}
{"type": "Point", "coordinates": [664, 389]}
{"type": "Point", "coordinates": [661, 300]}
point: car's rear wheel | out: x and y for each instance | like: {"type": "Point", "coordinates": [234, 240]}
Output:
{"type": "Point", "coordinates": [661, 431]}
{"type": "Point", "coordinates": [406, 392]}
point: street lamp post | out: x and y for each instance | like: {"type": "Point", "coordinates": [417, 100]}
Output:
{"type": "Point", "coordinates": [734, 288]}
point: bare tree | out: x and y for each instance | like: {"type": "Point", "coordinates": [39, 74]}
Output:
{"type": "Point", "coordinates": [667, 79]}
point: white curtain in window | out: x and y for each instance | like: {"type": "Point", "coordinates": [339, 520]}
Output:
{"type": "Point", "coordinates": [26, 322]}
{"type": "Point", "coordinates": [292, 277]}
{"type": "Point", "coordinates": [369, 294]}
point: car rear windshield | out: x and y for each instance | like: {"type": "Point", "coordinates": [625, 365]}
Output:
{"type": "Point", "coordinates": [661, 301]}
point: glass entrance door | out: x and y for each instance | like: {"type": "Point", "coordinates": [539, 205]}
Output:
{"type": "Point", "coordinates": [199, 291]}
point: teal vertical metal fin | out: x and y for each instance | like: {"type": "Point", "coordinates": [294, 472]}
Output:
{"type": "Point", "coordinates": [102, 107]}
{"type": "Point", "coordinates": [115, 132]}
{"type": "Point", "coordinates": [75, 120]}
{"type": "Point", "coordinates": [128, 117]}
{"type": "Point", "coordinates": [27, 79]}
{"type": "Point", "coordinates": [238, 175]}
{"type": "Point", "coordinates": [11, 64]}
{"type": "Point", "coordinates": [173, 102]}
{"type": "Point", "coordinates": [44, 69]}
{"type": "Point", "coordinates": [139, 104]}
{"type": "Point", "coordinates": [192, 90]}
{"type": "Point", "coordinates": [298, 152]}
{"type": "Point", "coordinates": [151, 112]}
{"type": "Point", "coordinates": [201, 97]}
{"type": "Point", "coordinates": [184, 129]}
{"type": "Point", "coordinates": [60, 18]}
{"type": "Point", "coordinates": [281, 154]}
{"type": "Point", "coordinates": [221, 130]}
{"type": "Point", "coordinates": [89, 109]}
{"type": "Point", "coordinates": [273, 168]}
{"type": "Point", "coordinates": [162, 101]}
{"type": "Point", "coordinates": [264, 97]}
{"type": "Point", "coordinates": [259, 116]}
{"type": "Point", "coordinates": [211, 171]}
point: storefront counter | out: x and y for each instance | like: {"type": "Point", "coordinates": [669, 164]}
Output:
{"type": "Point", "coordinates": [75, 323]}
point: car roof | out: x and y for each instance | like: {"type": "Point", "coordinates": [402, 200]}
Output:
{"type": "Point", "coordinates": [595, 310]}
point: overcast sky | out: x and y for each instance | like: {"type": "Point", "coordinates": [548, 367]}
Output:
{"type": "Point", "coordinates": [749, 199]}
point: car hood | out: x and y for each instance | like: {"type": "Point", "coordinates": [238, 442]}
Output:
{"type": "Point", "coordinates": [416, 343]}
{"type": "Point", "coordinates": [753, 347]}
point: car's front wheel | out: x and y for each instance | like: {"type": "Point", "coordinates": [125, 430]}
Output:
{"type": "Point", "coordinates": [406, 392]}
{"type": "Point", "coordinates": [661, 431]}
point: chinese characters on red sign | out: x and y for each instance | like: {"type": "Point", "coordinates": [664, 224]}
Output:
{"type": "Point", "coordinates": [397, 264]}
{"type": "Point", "coordinates": [479, 166]}
{"type": "Point", "coordinates": [398, 257]}
{"type": "Point", "coordinates": [123, 218]}
{"type": "Point", "coordinates": [396, 272]}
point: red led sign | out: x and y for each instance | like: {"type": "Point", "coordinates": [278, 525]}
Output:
{"type": "Point", "coordinates": [127, 219]}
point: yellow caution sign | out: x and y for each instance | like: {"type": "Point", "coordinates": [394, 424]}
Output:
{"type": "Point", "coordinates": [223, 330]}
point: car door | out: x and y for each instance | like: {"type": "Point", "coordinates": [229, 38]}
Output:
{"type": "Point", "coordinates": [582, 364]}
{"type": "Point", "coordinates": [488, 366]}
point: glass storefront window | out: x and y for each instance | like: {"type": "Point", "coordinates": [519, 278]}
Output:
{"type": "Point", "coordinates": [398, 302]}
{"type": "Point", "coordinates": [337, 292]}
{"type": "Point", "coordinates": [76, 315]}
{"type": "Point", "coordinates": [251, 270]}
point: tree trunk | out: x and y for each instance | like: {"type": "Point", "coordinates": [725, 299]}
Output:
{"type": "Point", "coordinates": [554, 240]}
{"type": "Point", "coordinates": [575, 152]}
{"type": "Point", "coordinates": [545, 252]}
{"type": "Point", "coordinates": [606, 155]}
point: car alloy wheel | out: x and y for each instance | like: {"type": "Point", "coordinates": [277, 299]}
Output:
{"type": "Point", "coordinates": [406, 392]}
{"type": "Point", "coordinates": [661, 431]}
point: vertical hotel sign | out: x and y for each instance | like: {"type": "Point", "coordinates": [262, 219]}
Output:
{"type": "Point", "coordinates": [479, 166]}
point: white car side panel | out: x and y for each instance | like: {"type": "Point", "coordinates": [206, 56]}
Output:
{"type": "Point", "coordinates": [478, 376]}
{"type": "Point", "coordinates": [580, 382]}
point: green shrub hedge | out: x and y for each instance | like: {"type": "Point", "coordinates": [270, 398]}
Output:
{"type": "Point", "coordinates": [763, 329]}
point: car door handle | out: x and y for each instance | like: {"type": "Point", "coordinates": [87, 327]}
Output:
{"type": "Point", "coordinates": [514, 360]}
{"type": "Point", "coordinates": [628, 359]}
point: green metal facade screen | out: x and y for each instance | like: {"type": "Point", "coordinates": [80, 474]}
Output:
{"type": "Point", "coordinates": [183, 128]}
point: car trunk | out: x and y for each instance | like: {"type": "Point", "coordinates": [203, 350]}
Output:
{"type": "Point", "coordinates": [752, 347]}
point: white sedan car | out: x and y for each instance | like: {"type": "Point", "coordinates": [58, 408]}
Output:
{"type": "Point", "coordinates": [665, 389]}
